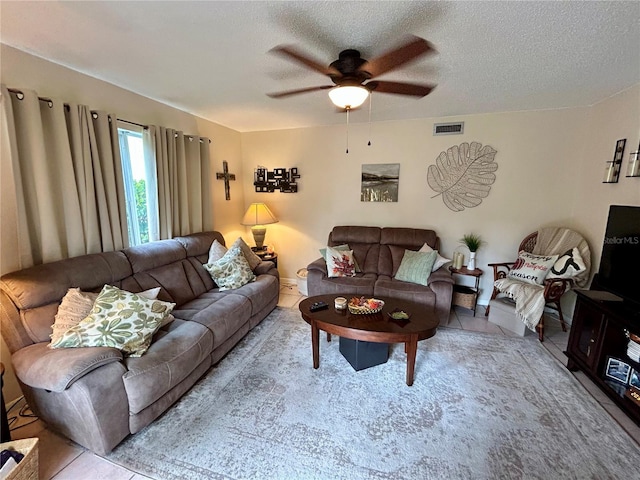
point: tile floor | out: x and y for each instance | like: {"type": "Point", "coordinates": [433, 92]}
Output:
{"type": "Point", "coordinates": [62, 459]}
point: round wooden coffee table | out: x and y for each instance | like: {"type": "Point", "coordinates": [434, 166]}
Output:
{"type": "Point", "coordinates": [379, 327]}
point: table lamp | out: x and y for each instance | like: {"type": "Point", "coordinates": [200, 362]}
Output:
{"type": "Point", "coordinates": [257, 216]}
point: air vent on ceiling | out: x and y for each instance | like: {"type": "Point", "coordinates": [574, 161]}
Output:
{"type": "Point", "coordinates": [448, 128]}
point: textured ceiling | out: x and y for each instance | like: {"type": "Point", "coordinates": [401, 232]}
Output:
{"type": "Point", "coordinates": [211, 58]}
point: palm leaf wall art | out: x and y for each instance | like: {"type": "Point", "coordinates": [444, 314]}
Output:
{"type": "Point", "coordinates": [463, 175]}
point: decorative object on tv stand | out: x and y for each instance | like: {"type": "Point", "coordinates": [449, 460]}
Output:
{"type": "Point", "coordinates": [279, 179]}
{"type": "Point", "coordinates": [612, 170]}
{"type": "Point", "coordinates": [257, 216]}
{"type": "Point", "coordinates": [633, 170]}
{"type": "Point", "coordinates": [226, 176]}
{"type": "Point", "coordinates": [463, 175]}
{"type": "Point", "coordinates": [473, 243]}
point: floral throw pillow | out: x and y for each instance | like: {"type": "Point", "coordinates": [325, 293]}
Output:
{"type": "Point", "coordinates": [76, 305]}
{"type": "Point", "coordinates": [231, 271]}
{"type": "Point", "coordinates": [340, 263]}
{"type": "Point", "coordinates": [323, 252]}
{"type": "Point", "coordinates": [530, 268]}
{"type": "Point", "coordinates": [119, 319]}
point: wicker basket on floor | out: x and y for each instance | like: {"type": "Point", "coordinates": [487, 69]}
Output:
{"type": "Point", "coordinates": [464, 297]}
{"type": "Point", "coordinates": [27, 469]}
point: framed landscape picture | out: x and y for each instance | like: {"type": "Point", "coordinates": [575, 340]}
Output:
{"type": "Point", "coordinates": [380, 182]}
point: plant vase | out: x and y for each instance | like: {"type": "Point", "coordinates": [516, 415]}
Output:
{"type": "Point", "coordinates": [472, 261]}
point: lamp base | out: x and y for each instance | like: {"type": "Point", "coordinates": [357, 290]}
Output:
{"type": "Point", "coordinates": [259, 232]}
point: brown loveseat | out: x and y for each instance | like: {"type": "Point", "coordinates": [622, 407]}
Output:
{"type": "Point", "coordinates": [94, 395]}
{"type": "Point", "coordinates": [378, 252]}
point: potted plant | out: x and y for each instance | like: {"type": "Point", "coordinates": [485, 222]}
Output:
{"type": "Point", "coordinates": [473, 243]}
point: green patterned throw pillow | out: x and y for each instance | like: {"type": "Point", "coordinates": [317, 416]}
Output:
{"type": "Point", "coordinates": [231, 271]}
{"type": "Point", "coordinates": [119, 319]}
{"type": "Point", "coordinates": [416, 266]}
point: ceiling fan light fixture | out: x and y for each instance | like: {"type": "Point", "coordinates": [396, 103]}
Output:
{"type": "Point", "coordinates": [348, 96]}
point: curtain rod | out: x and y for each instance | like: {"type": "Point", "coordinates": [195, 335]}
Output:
{"type": "Point", "coordinates": [50, 102]}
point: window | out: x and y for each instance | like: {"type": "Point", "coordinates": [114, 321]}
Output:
{"type": "Point", "coordinates": [139, 187]}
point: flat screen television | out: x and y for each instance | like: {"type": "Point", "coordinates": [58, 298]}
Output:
{"type": "Point", "coordinates": [620, 262]}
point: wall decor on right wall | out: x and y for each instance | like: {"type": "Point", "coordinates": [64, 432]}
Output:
{"type": "Point", "coordinates": [463, 175]}
{"type": "Point", "coordinates": [633, 169]}
{"type": "Point", "coordinates": [612, 170]}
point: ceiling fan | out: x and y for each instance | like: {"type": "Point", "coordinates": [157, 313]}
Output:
{"type": "Point", "coordinates": [350, 72]}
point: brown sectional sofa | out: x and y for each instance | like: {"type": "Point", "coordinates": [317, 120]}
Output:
{"type": "Point", "coordinates": [95, 396]}
{"type": "Point", "coordinates": [379, 252]}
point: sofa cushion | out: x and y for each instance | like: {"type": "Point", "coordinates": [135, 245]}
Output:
{"type": "Point", "coordinates": [55, 370]}
{"type": "Point", "coordinates": [252, 259]}
{"type": "Point", "coordinates": [386, 286]}
{"type": "Point", "coordinates": [340, 263]}
{"type": "Point", "coordinates": [221, 312]}
{"type": "Point", "coordinates": [119, 319]}
{"type": "Point", "coordinates": [323, 252]}
{"type": "Point", "coordinates": [231, 271]}
{"type": "Point", "coordinates": [216, 252]}
{"type": "Point", "coordinates": [152, 255]}
{"type": "Point", "coordinates": [174, 353]}
{"type": "Point", "coordinates": [76, 305]}
{"type": "Point", "coordinates": [37, 291]}
{"type": "Point", "coordinates": [409, 238]}
{"type": "Point", "coordinates": [416, 267]}
{"type": "Point", "coordinates": [364, 241]}
{"type": "Point", "coordinates": [260, 293]}
{"type": "Point", "coordinates": [440, 260]}
{"type": "Point", "coordinates": [568, 265]}
{"type": "Point", "coordinates": [530, 268]}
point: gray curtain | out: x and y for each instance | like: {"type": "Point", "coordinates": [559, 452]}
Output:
{"type": "Point", "coordinates": [62, 188]}
{"type": "Point", "coordinates": [182, 167]}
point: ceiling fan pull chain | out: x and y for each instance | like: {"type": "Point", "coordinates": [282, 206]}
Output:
{"type": "Point", "coordinates": [348, 129]}
{"type": "Point", "coordinates": [370, 100]}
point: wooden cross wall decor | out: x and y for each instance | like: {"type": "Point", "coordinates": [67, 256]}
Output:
{"type": "Point", "coordinates": [226, 176]}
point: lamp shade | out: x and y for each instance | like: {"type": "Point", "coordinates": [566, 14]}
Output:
{"type": "Point", "coordinates": [258, 214]}
{"type": "Point", "coordinates": [348, 96]}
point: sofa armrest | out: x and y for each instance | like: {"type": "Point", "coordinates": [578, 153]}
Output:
{"type": "Point", "coordinates": [39, 366]}
{"type": "Point", "coordinates": [318, 265]}
{"type": "Point", "coordinates": [440, 275]}
{"type": "Point", "coordinates": [266, 267]}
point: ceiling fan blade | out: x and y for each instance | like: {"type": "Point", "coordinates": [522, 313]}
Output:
{"type": "Point", "coordinates": [400, 88]}
{"type": "Point", "coordinates": [294, 54]}
{"type": "Point", "coordinates": [414, 48]}
{"type": "Point", "coordinates": [287, 93]}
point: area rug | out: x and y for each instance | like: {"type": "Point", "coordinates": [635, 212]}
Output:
{"type": "Point", "coordinates": [482, 407]}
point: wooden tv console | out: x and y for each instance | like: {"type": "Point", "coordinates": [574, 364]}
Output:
{"type": "Point", "coordinates": [599, 332]}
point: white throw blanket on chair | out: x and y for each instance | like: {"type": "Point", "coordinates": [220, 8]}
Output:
{"type": "Point", "coordinates": [530, 298]}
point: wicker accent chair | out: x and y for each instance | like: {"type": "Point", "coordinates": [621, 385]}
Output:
{"type": "Point", "coordinates": [555, 288]}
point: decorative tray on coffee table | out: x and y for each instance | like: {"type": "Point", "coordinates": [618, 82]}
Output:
{"type": "Point", "coordinates": [365, 306]}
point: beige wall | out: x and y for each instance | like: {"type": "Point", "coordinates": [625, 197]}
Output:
{"type": "Point", "coordinates": [550, 172]}
{"type": "Point", "coordinates": [20, 70]}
